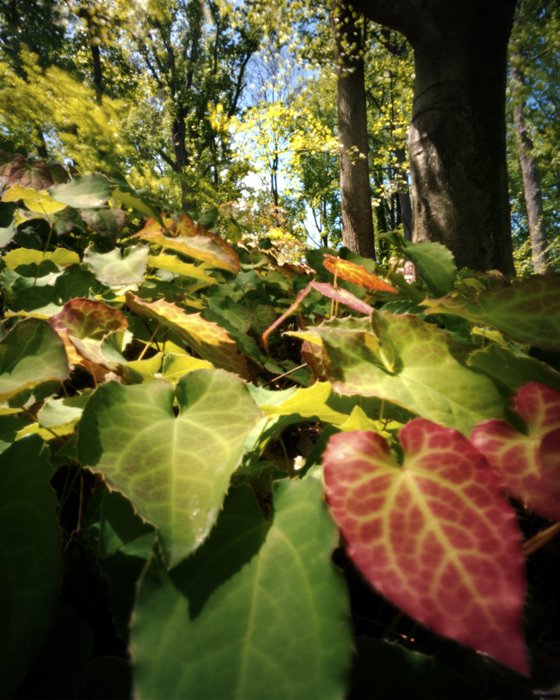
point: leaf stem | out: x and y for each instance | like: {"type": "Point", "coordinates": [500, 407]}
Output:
{"type": "Point", "coordinates": [540, 539]}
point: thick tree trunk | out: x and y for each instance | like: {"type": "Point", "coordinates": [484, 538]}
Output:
{"type": "Point", "coordinates": [357, 218]}
{"type": "Point", "coordinates": [531, 176]}
{"type": "Point", "coordinates": [457, 136]}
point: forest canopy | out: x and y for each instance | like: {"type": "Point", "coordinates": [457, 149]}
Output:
{"type": "Point", "coordinates": [230, 110]}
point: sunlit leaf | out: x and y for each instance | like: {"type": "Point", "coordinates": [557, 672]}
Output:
{"type": "Point", "coordinates": [176, 366]}
{"type": "Point", "coordinates": [205, 246]}
{"type": "Point", "coordinates": [310, 402]}
{"type": "Point", "coordinates": [117, 268]}
{"type": "Point", "coordinates": [36, 201]}
{"type": "Point", "coordinates": [30, 562]}
{"type": "Point", "coordinates": [174, 264]}
{"type": "Point", "coordinates": [411, 363]}
{"type": "Point", "coordinates": [30, 354]}
{"type": "Point", "coordinates": [357, 274]}
{"type": "Point", "coordinates": [526, 310]}
{"type": "Point", "coordinates": [234, 623]}
{"type": "Point", "coordinates": [83, 192]}
{"type": "Point", "coordinates": [210, 341]}
{"type": "Point", "coordinates": [435, 536]}
{"type": "Point", "coordinates": [29, 256]}
{"type": "Point", "coordinates": [529, 464]}
{"type": "Point", "coordinates": [174, 469]}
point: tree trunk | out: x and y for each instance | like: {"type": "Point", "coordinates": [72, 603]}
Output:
{"type": "Point", "coordinates": [357, 218]}
{"type": "Point", "coordinates": [457, 136]}
{"type": "Point", "coordinates": [531, 176]}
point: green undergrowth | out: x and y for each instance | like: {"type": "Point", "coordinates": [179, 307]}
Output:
{"type": "Point", "coordinates": [167, 399]}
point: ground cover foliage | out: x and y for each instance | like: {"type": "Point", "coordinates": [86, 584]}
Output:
{"type": "Point", "coordinates": [223, 477]}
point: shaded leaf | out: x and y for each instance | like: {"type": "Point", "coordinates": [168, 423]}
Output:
{"type": "Point", "coordinates": [174, 470]}
{"type": "Point", "coordinates": [513, 369]}
{"type": "Point", "coordinates": [106, 222]}
{"type": "Point", "coordinates": [435, 536]}
{"type": "Point", "coordinates": [210, 341]}
{"type": "Point", "coordinates": [411, 363]}
{"type": "Point", "coordinates": [235, 627]}
{"type": "Point", "coordinates": [83, 192]}
{"type": "Point", "coordinates": [528, 464]}
{"type": "Point", "coordinates": [526, 310]}
{"type": "Point", "coordinates": [30, 562]}
{"type": "Point", "coordinates": [16, 168]}
{"type": "Point", "coordinates": [30, 354]}
{"type": "Point", "coordinates": [434, 263]}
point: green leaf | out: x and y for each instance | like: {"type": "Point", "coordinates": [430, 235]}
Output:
{"type": "Point", "coordinates": [527, 311]}
{"type": "Point", "coordinates": [29, 556]}
{"type": "Point", "coordinates": [513, 369]}
{"type": "Point", "coordinates": [106, 222]}
{"type": "Point", "coordinates": [411, 363]}
{"type": "Point", "coordinates": [83, 192]}
{"type": "Point", "coordinates": [174, 469]}
{"type": "Point", "coordinates": [30, 354]}
{"type": "Point", "coordinates": [116, 268]}
{"type": "Point", "coordinates": [236, 625]}
{"type": "Point", "coordinates": [434, 264]}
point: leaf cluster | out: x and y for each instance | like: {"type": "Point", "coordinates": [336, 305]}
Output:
{"type": "Point", "coordinates": [174, 409]}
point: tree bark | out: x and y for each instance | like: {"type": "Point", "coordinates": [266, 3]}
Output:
{"type": "Point", "coordinates": [357, 218]}
{"type": "Point", "coordinates": [531, 176]}
{"type": "Point", "coordinates": [457, 136]}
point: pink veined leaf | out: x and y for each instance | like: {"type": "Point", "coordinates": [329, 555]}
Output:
{"type": "Point", "coordinates": [528, 464]}
{"type": "Point", "coordinates": [435, 536]}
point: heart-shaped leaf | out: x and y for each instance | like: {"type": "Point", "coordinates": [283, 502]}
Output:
{"type": "Point", "coordinates": [258, 612]}
{"type": "Point", "coordinates": [174, 469]}
{"type": "Point", "coordinates": [411, 363]}
{"type": "Point", "coordinates": [30, 354]}
{"type": "Point", "coordinates": [435, 536]}
{"type": "Point", "coordinates": [529, 464]}
{"type": "Point", "coordinates": [16, 168]}
{"type": "Point", "coordinates": [208, 339]}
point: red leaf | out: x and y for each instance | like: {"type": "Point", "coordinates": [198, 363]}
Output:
{"type": "Point", "coordinates": [435, 536]}
{"type": "Point", "coordinates": [528, 464]}
{"type": "Point", "coordinates": [357, 274]}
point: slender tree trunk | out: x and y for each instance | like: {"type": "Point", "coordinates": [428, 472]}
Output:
{"type": "Point", "coordinates": [357, 218]}
{"type": "Point", "coordinates": [531, 176]}
{"type": "Point", "coordinates": [97, 70]}
{"type": "Point", "coordinates": [404, 202]}
{"type": "Point", "coordinates": [457, 137]}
